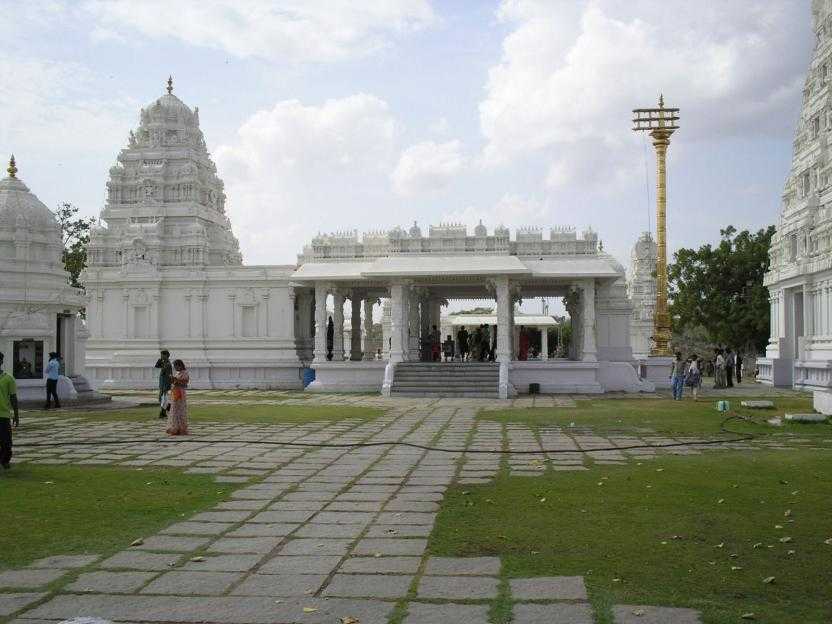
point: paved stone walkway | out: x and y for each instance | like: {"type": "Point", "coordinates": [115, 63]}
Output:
{"type": "Point", "coordinates": [315, 535]}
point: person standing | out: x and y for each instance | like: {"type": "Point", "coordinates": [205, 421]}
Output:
{"type": "Point", "coordinates": [738, 367]}
{"type": "Point", "coordinates": [677, 377]}
{"type": "Point", "coordinates": [165, 374]}
{"type": "Point", "coordinates": [8, 405]}
{"type": "Point", "coordinates": [178, 417]}
{"type": "Point", "coordinates": [730, 360]}
{"type": "Point", "coordinates": [719, 369]}
{"type": "Point", "coordinates": [462, 341]}
{"type": "Point", "coordinates": [693, 376]}
{"type": "Point", "coordinates": [53, 372]}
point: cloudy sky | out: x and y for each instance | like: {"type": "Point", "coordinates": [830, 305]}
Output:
{"type": "Point", "coordinates": [328, 115]}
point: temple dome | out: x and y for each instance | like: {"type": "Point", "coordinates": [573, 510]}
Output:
{"type": "Point", "coordinates": [169, 111]}
{"type": "Point", "coordinates": [20, 208]}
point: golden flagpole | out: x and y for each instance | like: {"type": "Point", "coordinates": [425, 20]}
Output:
{"type": "Point", "coordinates": [660, 122]}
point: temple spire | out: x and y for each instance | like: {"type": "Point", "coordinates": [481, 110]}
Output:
{"type": "Point", "coordinates": [12, 170]}
{"type": "Point", "coordinates": [170, 85]}
{"type": "Point", "coordinates": [661, 100]}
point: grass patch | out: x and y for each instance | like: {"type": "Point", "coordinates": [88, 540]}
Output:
{"type": "Point", "coordinates": [240, 413]}
{"type": "Point", "coordinates": [625, 528]}
{"type": "Point", "coordinates": [61, 510]}
{"type": "Point", "coordinates": [660, 415]}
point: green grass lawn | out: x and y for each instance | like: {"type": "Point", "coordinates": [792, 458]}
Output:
{"type": "Point", "coordinates": [650, 533]}
{"type": "Point", "coordinates": [665, 416]}
{"type": "Point", "coordinates": [239, 413]}
{"type": "Point", "coordinates": [57, 510]}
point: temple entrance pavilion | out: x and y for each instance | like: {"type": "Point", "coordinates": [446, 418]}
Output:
{"type": "Point", "coordinates": [419, 284]}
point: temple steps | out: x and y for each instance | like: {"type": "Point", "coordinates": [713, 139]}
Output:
{"type": "Point", "coordinates": [451, 379]}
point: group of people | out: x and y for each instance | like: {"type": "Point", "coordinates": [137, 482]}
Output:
{"type": "Point", "coordinates": [726, 365]}
{"type": "Point", "coordinates": [173, 393]}
{"type": "Point", "coordinates": [475, 346]}
{"type": "Point", "coordinates": [685, 373]}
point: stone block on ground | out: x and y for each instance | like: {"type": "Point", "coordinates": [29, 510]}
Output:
{"type": "Point", "coordinates": [758, 404]}
{"type": "Point", "coordinates": [10, 603]}
{"type": "Point", "coordinates": [263, 530]}
{"type": "Point", "coordinates": [110, 582]}
{"type": "Point", "coordinates": [315, 547]}
{"type": "Point", "coordinates": [639, 614]}
{"type": "Point", "coordinates": [244, 545]}
{"type": "Point", "coordinates": [562, 613]}
{"type": "Point", "coordinates": [280, 585]}
{"type": "Point", "coordinates": [171, 543]}
{"type": "Point", "coordinates": [65, 562]}
{"type": "Point", "coordinates": [368, 586]}
{"type": "Point", "coordinates": [381, 565]}
{"type": "Point", "coordinates": [30, 577]}
{"type": "Point", "coordinates": [224, 563]}
{"type": "Point", "coordinates": [300, 564]}
{"type": "Point", "coordinates": [420, 613]}
{"type": "Point", "coordinates": [463, 566]}
{"type": "Point", "coordinates": [139, 560]}
{"type": "Point", "coordinates": [373, 546]}
{"type": "Point", "coordinates": [458, 587]}
{"type": "Point", "coordinates": [183, 582]}
{"type": "Point", "coordinates": [806, 418]}
{"type": "Point", "coordinates": [549, 588]}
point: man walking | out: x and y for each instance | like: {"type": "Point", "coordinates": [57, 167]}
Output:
{"type": "Point", "coordinates": [165, 374]}
{"type": "Point", "coordinates": [738, 368]}
{"type": "Point", "coordinates": [53, 371]}
{"type": "Point", "coordinates": [8, 404]}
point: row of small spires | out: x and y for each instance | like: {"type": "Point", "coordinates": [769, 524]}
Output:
{"type": "Point", "coordinates": [374, 233]}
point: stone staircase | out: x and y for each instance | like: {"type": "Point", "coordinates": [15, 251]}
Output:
{"type": "Point", "coordinates": [451, 379]}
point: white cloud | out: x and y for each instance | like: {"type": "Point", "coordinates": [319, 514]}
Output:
{"type": "Point", "coordinates": [297, 169]}
{"type": "Point", "coordinates": [511, 210]}
{"type": "Point", "coordinates": [59, 109]}
{"type": "Point", "coordinates": [571, 73]}
{"type": "Point", "coordinates": [286, 31]}
{"type": "Point", "coordinates": [427, 167]}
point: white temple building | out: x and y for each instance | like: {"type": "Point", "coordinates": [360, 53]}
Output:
{"type": "Point", "coordinates": [39, 310]}
{"type": "Point", "coordinates": [165, 272]}
{"type": "Point", "coordinates": [799, 353]}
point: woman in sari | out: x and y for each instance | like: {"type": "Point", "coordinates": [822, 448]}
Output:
{"type": "Point", "coordinates": [178, 415]}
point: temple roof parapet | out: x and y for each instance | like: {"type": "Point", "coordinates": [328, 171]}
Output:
{"type": "Point", "coordinates": [449, 239]}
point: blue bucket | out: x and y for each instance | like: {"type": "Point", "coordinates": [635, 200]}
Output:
{"type": "Point", "coordinates": [308, 376]}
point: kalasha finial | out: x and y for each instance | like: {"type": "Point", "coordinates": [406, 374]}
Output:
{"type": "Point", "coordinates": [170, 85]}
{"type": "Point", "coordinates": [12, 168]}
{"type": "Point", "coordinates": [661, 100]}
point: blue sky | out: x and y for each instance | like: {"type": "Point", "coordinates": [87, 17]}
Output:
{"type": "Point", "coordinates": [332, 115]}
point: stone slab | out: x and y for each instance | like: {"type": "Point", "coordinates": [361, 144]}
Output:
{"type": "Point", "coordinates": [373, 546]}
{"type": "Point", "coordinates": [10, 603]}
{"type": "Point", "coordinates": [368, 586]}
{"type": "Point", "coordinates": [315, 547]}
{"type": "Point", "coordinates": [217, 609]}
{"type": "Point", "coordinates": [65, 562]}
{"type": "Point", "coordinates": [381, 565]}
{"type": "Point", "coordinates": [244, 545]}
{"type": "Point", "coordinates": [563, 613]}
{"type": "Point", "coordinates": [420, 613]}
{"type": "Point", "coordinates": [140, 560]}
{"type": "Point", "coordinates": [640, 614]}
{"type": "Point", "coordinates": [549, 588]}
{"type": "Point", "coordinates": [458, 587]}
{"type": "Point", "coordinates": [224, 563]}
{"type": "Point", "coordinates": [280, 585]}
{"type": "Point", "coordinates": [463, 566]}
{"type": "Point", "coordinates": [198, 528]}
{"type": "Point", "coordinates": [757, 404]}
{"type": "Point", "coordinates": [172, 543]}
{"type": "Point", "coordinates": [329, 530]}
{"type": "Point", "coordinates": [182, 582]}
{"type": "Point", "coordinates": [806, 418]}
{"type": "Point", "coordinates": [30, 577]}
{"type": "Point", "coordinates": [263, 530]}
{"type": "Point", "coordinates": [110, 582]}
{"type": "Point", "coordinates": [300, 564]}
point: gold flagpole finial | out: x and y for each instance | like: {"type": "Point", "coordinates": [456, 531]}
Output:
{"type": "Point", "coordinates": [12, 170]}
{"type": "Point", "coordinates": [170, 85]}
{"type": "Point", "coordinates": [661, 100]}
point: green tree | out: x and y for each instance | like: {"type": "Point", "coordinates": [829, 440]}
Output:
{"type": "Point", "coordinates": [75, 235]}
{"type": "Point", "coordinates": [721, 289]}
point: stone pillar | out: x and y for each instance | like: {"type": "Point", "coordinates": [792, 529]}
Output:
{"type": "Point", "coordinates": [355, 337]}
{"type": "Point", "coordinates": [338, 321]}
{"type": "Point", "coordinates": [588, 314]}
{"type": "Point", "coordinates": [321, 293]}
{"type": "Point", "coordinates": [544, 343]}
{"type": "Point", "coordinates": [505, 306]}
{"type": "Point", "coordinates": [398, 333]}
{"type": "Point", "coordinates": [414, 324]}
{"type": "Point", "coordinates": [369, 351]}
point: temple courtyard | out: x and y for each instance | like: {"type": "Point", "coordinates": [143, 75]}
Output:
{"type": "Point", "coordinates": [286, 507]}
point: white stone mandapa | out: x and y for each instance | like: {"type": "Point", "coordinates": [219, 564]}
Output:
{"type": "Point", "coordinates": [799, 352]}
{"type": "Point", "coordinates": [39, 310]}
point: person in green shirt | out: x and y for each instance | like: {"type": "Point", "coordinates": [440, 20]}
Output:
{"type": "Point", "coordinates": [8, 404]}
